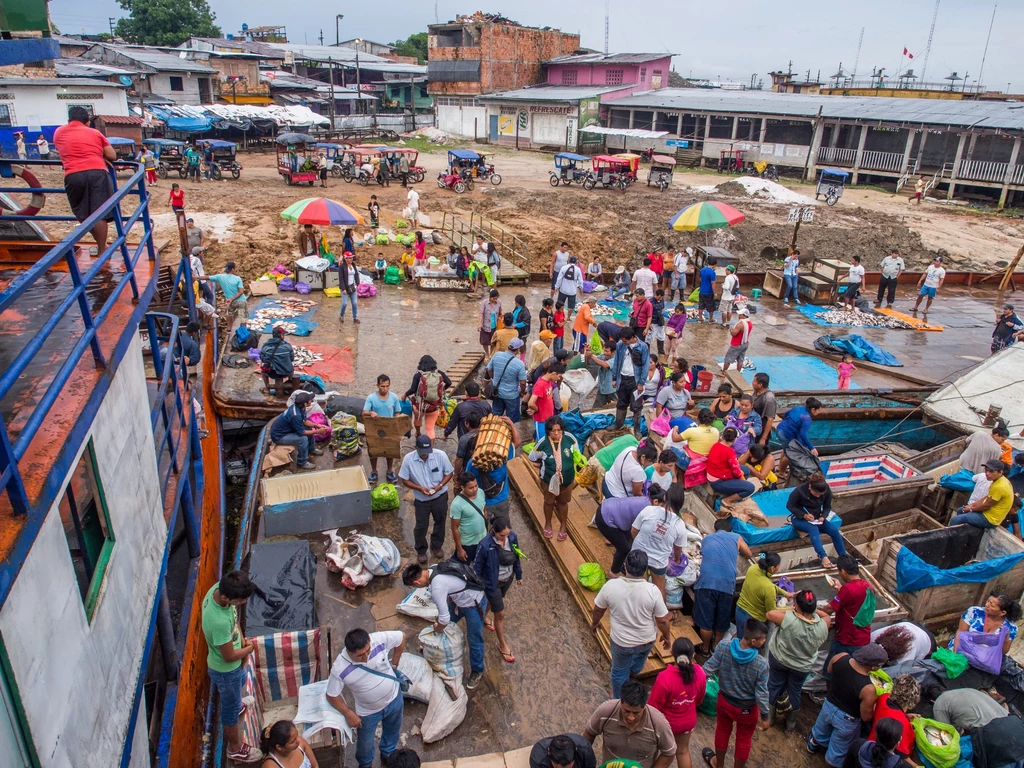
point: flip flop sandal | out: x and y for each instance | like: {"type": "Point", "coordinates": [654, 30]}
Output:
{"type": "Point", "coordinates": [508, 657]}
{"type": "Point", "coordinates": [489, 626]}
{"type": "Point", "coordinates": [547, 533]}
{"type": "Point", "coordinates": [706, 754]}
{"type": "Point", "coordinates": [562, 535]}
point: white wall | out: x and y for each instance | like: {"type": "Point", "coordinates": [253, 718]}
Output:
{"type": "Point", "coordinates": [459, 120]}
{"type": "Point", "coordinates": [160, 85]}
{"type": "Point", "coordinates": [77, 680]}
{"type": "Point", "coordinates": [39, 105]}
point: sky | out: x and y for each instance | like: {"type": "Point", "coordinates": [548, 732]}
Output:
{"type": "Point", "coordinates": [727, 41]}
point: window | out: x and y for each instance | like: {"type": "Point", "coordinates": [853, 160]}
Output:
{"type": "Point", "coordinates": [6, 116]}
{"type": "Point", "coordinates": [643, 74]}
{"type": "Point", "coordinates": [177, 83]}
{"type": "Point", "coordinates": [568, 77]}
{"type": "Point", "coordinates": [87, 107]}
{"type": "Point", "coordinates": [83, 512]}
{"type": "Point", "coordinates": [14, 745]}
{"type": "Point", "coordinates": [613, 77]}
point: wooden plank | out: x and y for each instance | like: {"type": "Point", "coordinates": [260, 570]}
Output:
{"type": "Point", "coordinates": [807, 349]}
{"type": "Point", "coordinates": [462, 369]}
{"type": "Point", "coordinates": [738, 382]}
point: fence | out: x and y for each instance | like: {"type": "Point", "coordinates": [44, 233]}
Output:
{"type": "Point", "coordinates": [836, 156]}
{"type": "Point", "coordinates": [463, 233]}
{"type": "Point", "coordinates": [882, 161]}
{"type": "Point", "coordinates": [979, 170]}
{"type": "Point", "coordinates": [384, 122]}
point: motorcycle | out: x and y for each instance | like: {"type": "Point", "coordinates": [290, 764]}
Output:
{"type": "Point", "coordinates": [763, 170]}
{"type": "Point", "coordinates": [646, 155]}
{"type": "Point", "coordinates": [453, 181]}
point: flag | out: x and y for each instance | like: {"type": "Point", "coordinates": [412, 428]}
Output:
{"type": "Point", "coordinates": [908, 54]}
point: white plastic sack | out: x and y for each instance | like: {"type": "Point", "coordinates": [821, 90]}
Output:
{"type": "Point", "coordinates": [418, 603]}
{"type": "Point", "coordinates": [380, 556]}
{"type": "Point", "coordinates": [407, 212]}
{"type": "Point", "coordinates": [674, 591]}
{"type": "Point", "coordinates": [444, 652]}
{"type": "Point", "coordinates": [580, 381]}
{"type": "Point", "coordinates": [444, 714]}
{"type": "Point", "coordinates": [690, 574]}
{"type": "Point", "coordinates": [421, 676]}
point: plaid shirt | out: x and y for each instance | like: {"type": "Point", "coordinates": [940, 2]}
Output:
{"type": "Point", "coordinates": [740, 682]}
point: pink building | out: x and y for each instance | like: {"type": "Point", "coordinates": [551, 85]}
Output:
{"type": "Point", "coordinates": [636, 71]}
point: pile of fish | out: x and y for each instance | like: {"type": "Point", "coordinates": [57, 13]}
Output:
{"type": "Point", "coordinates": [862, 319]}
{"type": "Point", "coordinates": [443, 284]}
{"type": "Point", "coordinates": [304, 358]}
{"type": "Point", "coordinates": [603, 309]}
{"type": "Point", "coordinates": [280, 310]}
{"type": "Point", "coordinates": [937, 737]}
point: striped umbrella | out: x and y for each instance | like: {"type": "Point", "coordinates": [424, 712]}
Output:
{"type": "Point", "coordinates": [323, 212]}
{"type": "Point", "coordinates": [705, 215]}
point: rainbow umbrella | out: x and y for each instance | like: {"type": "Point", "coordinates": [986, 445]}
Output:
{"type": "Point", "coordinates": [705, 215]}
{"type": "Point", "coordinates": [321, 211]}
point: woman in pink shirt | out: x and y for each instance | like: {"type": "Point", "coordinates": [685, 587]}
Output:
{"type": "Point", "coordinates": [420, 249]}
{"type": "Point", "coordinates": [678, 691]}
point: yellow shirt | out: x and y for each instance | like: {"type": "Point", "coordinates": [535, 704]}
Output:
{"type": "Point", "coordinates": [700, 439]}
{"type": "Point", "coordinates": [1001, 493]}
{"type": "Point", "coordinates": [500, 340]}
{"type": "Point", "coordinates": [408, 259]}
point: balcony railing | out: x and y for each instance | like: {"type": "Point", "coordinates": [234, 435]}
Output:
{"type": "Point", "coordinates": [882, 161]}
{"type": "Point", "coordinates": [980, 170]}
{"type": "Point", "coordinates": [837, 156]}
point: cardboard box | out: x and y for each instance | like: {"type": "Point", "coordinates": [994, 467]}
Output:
{"type": "Point", "coordinates": [263, 288]}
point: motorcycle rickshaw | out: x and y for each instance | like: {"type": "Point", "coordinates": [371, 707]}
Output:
{"type": "Point", "coordinates": [359, 158]}
{"type": "Point", "coordinates": [296, 158]}
{"type": "Point", "coordinates": [566, 171]}
{"type": "Point", "coordinates": [661, 171]}
{"type": "Point", "coordinates": [608, 171]}
{"type": "Point", "coordinates": [333, 153]}
{"type": "Point", "coordinates": [484, 169]}
{"type": "Point", "coordinates": [393, 157]}
{"type": "Point", "coordinates": [462, 161]}
{"type": "Point", "coordinates": [730, 161]}
{"type": "Point", "coordinates": [169, 154]}
{"type": "Point", "coordinates": [223, 159]}
{"type": "Point", "coordinates": [831, 182]}
{"type": "Point", "coordinates": [634, 165]}
{"type": "Point", "coordinates": [125, 151]}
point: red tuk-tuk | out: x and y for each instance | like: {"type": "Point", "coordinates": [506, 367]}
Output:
{"type": "Point", "coordinates": [296, 158]}
{"type": "Point", "coordinates": [634, 165]}
{"type": "Point", "coordinates": [730, 161]}
{"type": "Point", "coordinates": [609, 171]}
{"type": "Point", "coordinates": [361, 157]}
{"type": "Point", "coordinates": [393, 155]}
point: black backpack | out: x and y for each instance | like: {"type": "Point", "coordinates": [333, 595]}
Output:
{"type": "Point", "coordinates": [460, 570]}
{"type": "Point", "coordinates": [570, 273]}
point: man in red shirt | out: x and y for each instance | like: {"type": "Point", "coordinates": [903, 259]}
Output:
{"type": "Point", "coordinates": [542, 401]}
{"type": "Point", "coordinates": [641, 314]}
{"type": "Point", "coordinates": [851, 634]}
{"type": "Point", "coordinates": [85, 154]}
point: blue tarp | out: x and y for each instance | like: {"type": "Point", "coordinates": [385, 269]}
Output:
{"type": "Point", "coordinates": [794, 372]}
{"type": "Point", "coordinates": [756, 537]}
{"type": "Point", "coordinates": [958, 481]}
{"type": "Point", "coordinates": [862, 349]}
{"type": "Point", "coordinates": [913, 573]}
{"type": "Point", "coordinates": [304, 322]}
{"type": "Point", "coordinates": [581, 427]}
{"type": "Point", "coordinates": [189, 124]}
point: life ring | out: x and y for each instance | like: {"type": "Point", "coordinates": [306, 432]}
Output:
{"type": "Point", "coordinates": [35, 205]}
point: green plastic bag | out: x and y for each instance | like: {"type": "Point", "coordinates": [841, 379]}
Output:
{"type": "Point", "coordinates": [591, 576]}
{"type": "Point", "coordinates": [710, 704]}
{"type": "Point", "coordinates": [955, 663]}
{"type": "Point", "coordinates": [596, 347]}
{"type": "Point", "coordinates": [393, 275]}
{"type": "Point", "coordinates": [579, 461]}
{"type": "Point", "coordinates": [527, 449]}
{"type": "Point", "coordinates": [944, 756]}
{"type": "Point", "coordinates": [610, 452]}
{"type": "Point", "coordinates": [882, 681]}
{"type": "Point", "coordinates": [383, 240]}
{"type": "Point", "coordinates": [383, 498]}
{"type": "Point", "coordinates": [695, 295]}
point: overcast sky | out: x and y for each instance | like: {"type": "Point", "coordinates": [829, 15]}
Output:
{"type": "Point", "coordinates": [731, 40]}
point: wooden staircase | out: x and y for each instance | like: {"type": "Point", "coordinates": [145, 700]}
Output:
{"type": "Point", "coordinates": [513, 250]}
{"type": "Point", "coordinates": [688, 158]}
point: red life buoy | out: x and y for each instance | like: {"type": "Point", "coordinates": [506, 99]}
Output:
{"type": "Point", "coordinates": [38, 199]}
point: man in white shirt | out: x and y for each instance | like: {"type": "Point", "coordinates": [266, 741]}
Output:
{"type": "Point", "coordinates": [412, 201]}
{"type": "Point", "coordinates": [558, 260]}
{"type": "Point", "coordinates": [570, 283]}
{"type": "Point", "coordinates": [638, 612]}
{"type": "Point", "coordinates": [930, 282]}
{"type": "Point", "coordinates": [854, 282]}
{"type": "Point", "coordinates": [377, 696]}
{"type": "Point", "coordinates": [480, 246]}
{"type": "Point", "coordinates": [458, 594]}
{"type": "Point", "coordinates": [892, 267]}
{"type": "Point", "coordinates": [645, 278]}
{"type": "Point", "coordinates": [730, 287]}
{"type": "Point", "coordinates": [680, 264]}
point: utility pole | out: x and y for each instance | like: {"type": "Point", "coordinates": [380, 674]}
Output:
{"type": "Point", "coordinates": [112, 22]}
{"type": "Point", "coordinates": [321, 36]}
{"type": "Point", "coordinates": [337, 28]}
{"type": "Point", "coordinates": [330, 63]}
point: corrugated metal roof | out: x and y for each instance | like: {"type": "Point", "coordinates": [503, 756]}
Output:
{"type": "Point", "coordinates": [346, 56]}
{"type": "Point", "coordinates": [167, 62]}
{"type": "Point", "coordinates": [985, 114]}
{"type": "Point", "coordinates": [609, 58]}
{"type": "Point", "coordinates": [78, 67]}
{"type": "Point", "coordinates": [57, 82]}
{"type": "Point", "coordinates": [554, 93]}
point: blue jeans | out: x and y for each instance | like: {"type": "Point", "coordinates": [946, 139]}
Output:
{"type": "Point", "coordinates": [507, 406]}
{"type": "Point", "coordinates": [744, 488]}
{"type": "Point", "coordinates": [678, 281]}
{"type": "Point", "coordinates": [616, 292]}
{"type": "Point", "coordinates": [837, 730]}
{"type": "Point", "coordinates": [780, 678]}
{"type": "Point", "coordinates": [391, 717]}
{"type": "Point", "coordinates": [789, 287]}
{"type": "Point", "coordinates": [626, 662]}
{"type": "Point", "coordinates": [346, 297]}
{"type": "Point", "coordinates": [304, 444]}
{"type": "Point", "coordinates": [474, 633]}
{"type": "Point", "coordinates": [229, 686]}
{"type": "Point", "coordinates": [814, 532]}
{"type": "Point", "coordinates": [557, 343]}
{"type": "Point", "coordinates": [976, 519]}
{"type": "Point", "coordinates": [741, 618]}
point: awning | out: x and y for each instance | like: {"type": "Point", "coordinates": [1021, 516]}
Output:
{"type": "Point", "coordinates": [632, 133]}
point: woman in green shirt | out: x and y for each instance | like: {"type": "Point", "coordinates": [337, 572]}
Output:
{"type": "Point", "coordinates": [792, 651]}
{"type": "Point", "coordinates": [759, 592]}
{"type": "Point", "coordinates": [553, 458]}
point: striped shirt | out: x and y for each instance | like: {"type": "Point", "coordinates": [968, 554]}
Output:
{"type": "Point", "coordinates": [370, 692]}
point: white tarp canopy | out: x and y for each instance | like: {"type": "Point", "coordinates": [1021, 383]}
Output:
{"type": "Point", "coordinates": [631, 133]}
{"type": "Point", "coordinates": [997, 381]}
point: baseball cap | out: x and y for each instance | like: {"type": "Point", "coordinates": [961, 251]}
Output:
{"type": "Point", "coordinates": [1009, 307]}
{"type": "Point", "coordinates": [995, 465]}
{"type": "Point", "coordinates": [190, 219]}
{"type": "Point", "coordinates": [515, 344]}
{"type": "Point", "coordinates": [563, 354]}
{"type": "Point", "coordinates": [937, 258]}
{"type": "Point", "coordinates": [198, 249]}
{"type": "Point", "coordinates": [349, 255]}
{"type": "Point", "coordinates": [743, 311]}
{"type": "Point", "coordinates": [730, 268]}
{"type": "Point", "coordinates": [546, 334]}
{"type": "Point", "coordinates": [423, 443]}
{"type": "Point", "coordinates": [590, 300]}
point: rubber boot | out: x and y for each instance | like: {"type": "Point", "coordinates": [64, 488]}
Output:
{"type": "Point", "coordinates": [791, 721]}
{"type": "Point", "coordinates": [771, 715]}
{"type": "Point", "coordinates": [620, 418]}
{"type": "Point", "coordinates": [661, 348]}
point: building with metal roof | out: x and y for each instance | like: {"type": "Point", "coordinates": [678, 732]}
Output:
{"type": "Point", "coordinates": [594, 57]}
{"type": "Point", "coordinates": [568, 94]}
{"type": "Point", "coordinates": [174, 77]}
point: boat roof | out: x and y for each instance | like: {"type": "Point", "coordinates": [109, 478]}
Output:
{"type": "Point", "coordinates": [995, 381]}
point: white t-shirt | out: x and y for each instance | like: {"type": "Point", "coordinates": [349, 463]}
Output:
{"type": "Point", "coordinates": [681, 262]}
{"type": "Point", "coordinates": [625, 469]}
{"type": "Point", "coordinates": [933, 276]}
{"type": "Point", "coordinates": [658, 530]}
{"type": "Point", "coordinates": [645, 278]}
{"type": "Point", "coordinates": [627, 368]}
{"type": "Point", "coordinates": [569, 286]}
{"type": "Point", "coordinates": [981, 486]}
{"type": "Point", "coordinates": [730, 285]}
{"type": "Point", "coordinates": [413, 199]}
{"type": "Point", "coordinates": [633, 604]}
{"type": "Point", "coordinates": [921, 646]}
{"type": "Point", "coordinates": [664, 481]}
{"type": "Point", "coordinates": [594, 269]}
{"type": "Point", "coordinates": [856, 273]}
{"type": "Point", "coordinates": [370, 692]}
{"type": "Point", "coordinates": [478, 247]}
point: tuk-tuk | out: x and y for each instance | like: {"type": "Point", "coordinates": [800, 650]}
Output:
{"type": "Point", "coordinates": [393, 157]}
{"type": "Point", "coordinates": [356, 158]}
{"type": "Point", "coordinates": [608, 171]}
{"type": "Point", "coordinates": [223, 159]}
{"type": "Point", "coordinates": [634, 165]}
{"type": "Point", "coordinates": [730, 161]}
{"type": "Point", "coordinates": [170, 156]}
{"type": "Point", "coordinates": [296, 158]}
{"type": "Point", "coordinates": [125, 150]}
{"type": "Point", "coordinates": [484, 168]}
{"type": "Point", "coordinates": [831, 182]}
{"type": "Point", "coordinates": [661, 171]}
{"type": "Point", "coordinates": [462, 160]}
{"type": "Point", "coordinates": [334, 154]}
{"type": "Point", "coordinates": [566, 171]}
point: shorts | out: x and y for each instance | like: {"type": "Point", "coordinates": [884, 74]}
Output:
{"type": "Point", "coordinates": [929, 292]}
{"type": "Point", "coordinates": [496, 599]}
{"type": "Point", "coordinates": [579, 341]}
{"type": "Point", "coordinates": [87, 191]}
{"type": "Point", "coordinates": [657, 571]}
{"type": "Point", "coordinates": [229, 685]}
{"type": "Point", "coordinates": [852, 292]}
{"type": "Point", "coordinates": [712, 610]}
{"type": "Point", "coordinates": [323, 174]}
{"type": "Point", "coordinates": [706, 302]}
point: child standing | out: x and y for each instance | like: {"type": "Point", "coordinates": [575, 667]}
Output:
{"type": "Point", "coordinates": [380, 266]}
{"type": "Point", "coordinates": [674, 327]}
{"type": "Point", "coordinates": [559, 329]}
{"type": "Point", "coordinates": [846, 370]}
{"type": "Point", "coordinates": [605, 387]}
{"type": "Point", "coordinates": [177, 198]}
{"type": "Point", "coordinates": [374, 209]}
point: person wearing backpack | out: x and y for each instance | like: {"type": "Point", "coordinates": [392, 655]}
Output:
{"type": "Point", "coordinates": [427, 393]}
{"type": "Point", "coordinates": [376, 686]}
{"type": "Point", "coordinates": [570, 283]}
{"type": "Point", "coordinates": [458, 593]}
{"type": "Point", "coordinates": [853, 608]}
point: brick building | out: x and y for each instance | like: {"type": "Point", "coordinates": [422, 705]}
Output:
{"type": "Point", "coordinates": [480, 54]}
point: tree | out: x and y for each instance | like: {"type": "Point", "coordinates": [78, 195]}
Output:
{"type": "Point", "coordinates": [414, 45]}
{"type": "Point", "coordinates": [166, 22]}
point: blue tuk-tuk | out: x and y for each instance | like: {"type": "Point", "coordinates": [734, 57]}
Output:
{"type": "Point", "coordinates": [334, 154]}
{"type": "Point", "coordinates": [831, 182]}
{"type": "Point", "coordinates": [170, 156]}
{"type": "Point", "coordinates": [125, 151]}
{"type": "Point", "coordinates": [566, 170]}
{"type": "Point", "coordinates": [462, 161]}
{"type": "Point", "coordinates": [223, 158]}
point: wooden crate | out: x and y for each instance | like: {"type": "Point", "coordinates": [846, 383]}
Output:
{"type": "Point", "coordinates": [888, 610]}
{"type": "Point", "coordinates": [829, 269]}
{"type": "Point", "coordinates": [869, 537]}
{"type": "Point", "coordinates": [942, 605]}
{"type": "Point", "coordinates": [815, 290]}
{"type": "Point", "coordinates": [773, 283]}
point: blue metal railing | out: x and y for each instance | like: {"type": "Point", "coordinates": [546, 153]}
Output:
{"type": "Point", "coordinates": [11, 452]}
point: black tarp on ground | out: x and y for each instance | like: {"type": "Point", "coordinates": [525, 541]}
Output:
{"type": "Point", "coordinates": [285, 571]}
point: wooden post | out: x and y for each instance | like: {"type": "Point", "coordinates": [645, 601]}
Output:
{"type": "Point", "coordinates": [1008, 276]}
{"type": "Point", "coordinates": [796, 230]}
